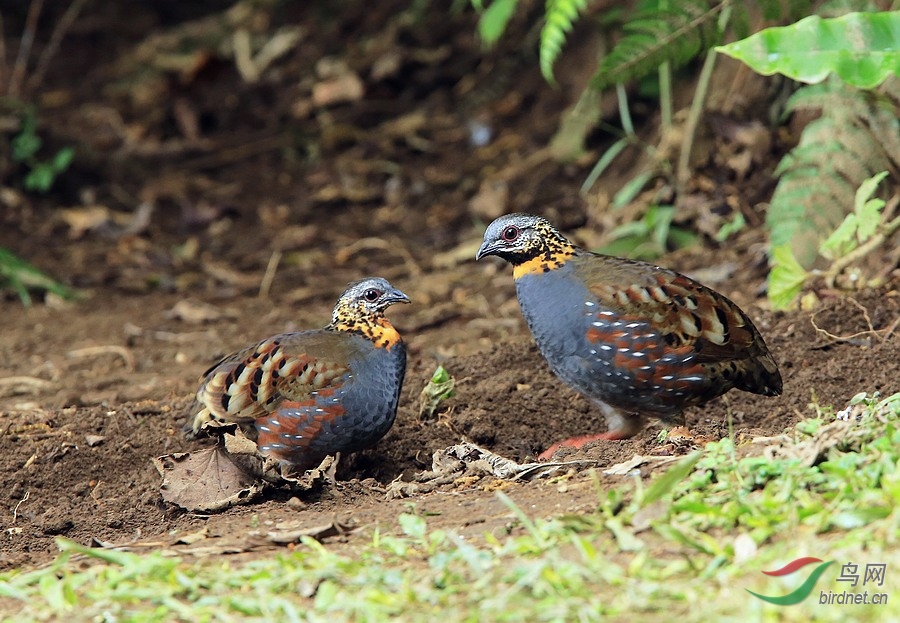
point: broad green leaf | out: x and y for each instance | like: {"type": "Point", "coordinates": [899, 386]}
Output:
{"type": "Point", "coordinates": [438, 389]}
{"type": "Point", "coordinates": [787, 277]}
{"type": "Point", "coordinates": [868, 209]}
{"type": "Point", "coordinates": [493, 21]}
{"type": "Point", "coordinates": [891, 404]}
{"type": "Point", "coordinates": [731, 227]}
{"type": "Point", "coordinates": [861, 48]}
{"type": "Point", "coordinates": [40, 178]}
{"type": "Point", "coordinates": [680, 237]}
{"type": "Point", "coordinates": [869, 218]}
{"type": "Point", "coordinates": [63, 159]}
{"type": "Point", "coordinates": [841, 241]}
{"type": "Point", "coordinates": [26, 144]}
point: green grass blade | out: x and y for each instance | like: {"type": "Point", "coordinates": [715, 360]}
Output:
{"type": "Point", "coordinates": [667, 481]}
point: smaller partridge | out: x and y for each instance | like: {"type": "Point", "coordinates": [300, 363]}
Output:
{"type": "Point", "coordinates": [634, 338]}
{"type": "Point", "coordinates": [308, 394]}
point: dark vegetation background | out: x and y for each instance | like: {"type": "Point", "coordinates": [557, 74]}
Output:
{"type": "Point", "coordinates": [234, 165]}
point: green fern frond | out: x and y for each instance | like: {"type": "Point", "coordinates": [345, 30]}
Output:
{"type": "Point", "coordinates": [788, 10]}
{"type": "Point", "coordinates": [846, 102]}
{"type": "Point", "coordinates": [740, 22]}
{"type": "Point", "coordinates": [853, 139]}
{"type": "Point", "coordinates": [773, 11]}
{"type": "Point", "coordinates": [886, 124]}
{"type": "Point", "coordinates": [655, 35]}
{"type": "Point", "coordinates": [560, 17]}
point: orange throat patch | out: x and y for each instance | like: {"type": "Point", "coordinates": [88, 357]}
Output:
{"type": "Point", "coordinates": [384, 334]}
{"type": "Point", "coordinates": [380, 331]}
{"type": "Point", "coordinates": [541, 264]}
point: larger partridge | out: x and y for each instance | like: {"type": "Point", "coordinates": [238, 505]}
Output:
{"type": "Point", "coordinates": [309, 394]}
{"type": "Point", "coordinates": [634, 338]}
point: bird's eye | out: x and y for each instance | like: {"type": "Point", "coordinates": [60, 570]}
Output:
{"type": "Point", "coordinates": [371, 295]}
{"type": "Point", "coordinates": [510, 233]}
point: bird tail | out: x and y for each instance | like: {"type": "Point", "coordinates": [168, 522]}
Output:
{"type": "Point", "coordinates": [762, 377]}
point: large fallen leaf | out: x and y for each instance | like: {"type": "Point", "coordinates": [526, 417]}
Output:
{"type": "Point", "coordinates": [205, 481]}
{"type": "Point", "coordinates": [234, 472]}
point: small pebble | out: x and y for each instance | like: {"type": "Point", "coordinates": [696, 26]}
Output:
{"type": "Point", "coordinates": [295, 503]}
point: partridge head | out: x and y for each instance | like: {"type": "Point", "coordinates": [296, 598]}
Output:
{"type": "Point", "coordinates": [308, 394]}
{"type": "Point", "coordinates": [636, 339]}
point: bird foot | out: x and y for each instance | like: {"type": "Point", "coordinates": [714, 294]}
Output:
{"type": "Point", "coordinates": [579, 442]}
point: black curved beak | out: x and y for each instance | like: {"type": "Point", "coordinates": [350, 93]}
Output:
{"type": "Point", "coordinates": [396, 296]}
{"type": "Point", "coordinates": [488, 247]}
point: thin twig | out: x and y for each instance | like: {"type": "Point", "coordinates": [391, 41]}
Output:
{"type": "Point", "coordinates": [94, 493]}
{"type": "Point", "coordinates": [861, 251]}
{"type": "Point", "coordinates": [13, 385]}
{"type": "Point", "coordinates": [269, 277]}
{"type": "Point", "coordinates": [890, 330]}
{"type": "Point", "coordinates": [395, 246]}
{"type": "Point", "coordinates": [18, 504]}
{"type": "Point", "coordinates": [665, 88]}
{"type": "Point", "coordinates": [665, 97]}
{"type": "Point", "coordinates": [92, 351]}
{"type": "Point", "coordinates": [226, 155]}
{"type": "Point", "coordinates": [869, 332]}
{"type": "Point", "coordinates": [59, 32]}
{"type": "Point", "coordinates": [2, 59]}
{"type": "Point", "coordinates": [18, 73]}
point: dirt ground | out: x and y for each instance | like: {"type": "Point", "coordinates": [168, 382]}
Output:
{"type": "Point", "coordinates": [205, 211]}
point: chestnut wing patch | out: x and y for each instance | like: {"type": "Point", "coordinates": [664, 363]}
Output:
{"type": "Point", "coordinates": [682, 313]}
{"type": "Point", "coordinates": [255, 381]}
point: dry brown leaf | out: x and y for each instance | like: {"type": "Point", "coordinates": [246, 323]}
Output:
{"type": "Point", "coordinates": [491, 201]}
{"type": "Point", "coordinates": [290, 532]}
{"type": "Point", "coordinates": [345, 88]}
{"type": "Point", "coordinates": [622, 469]}
{"type": "Point", "coordinates": [193, 537]}
{"type": "Point", "coordinates": [83, 220]}
{"type": "Point", "coordinates": [205, 481]}
{"type": "Point", "coordinates": [197, 312]}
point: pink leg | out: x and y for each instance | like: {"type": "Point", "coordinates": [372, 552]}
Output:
{"type": "Point", "coordinates": [621, 426]}
{"type": "Point", "coordinates": [578, 442]}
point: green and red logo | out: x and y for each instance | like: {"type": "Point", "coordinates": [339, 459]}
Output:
{"type": "Point", "coordinates": [802, 591]}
